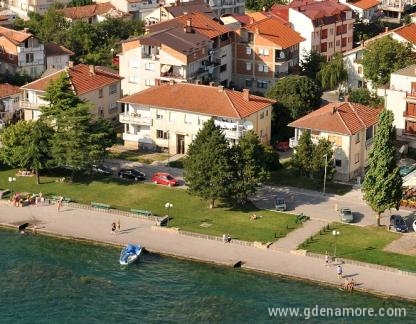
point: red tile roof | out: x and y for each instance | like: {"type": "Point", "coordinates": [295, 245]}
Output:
{"type": "Point", "coordinates": [88, 11]}
{"type": "Point", "coordinates": [365, 4]}
{"type": "Point", "coordinates": [16, 37]}
{"type": "Point", "coordinates": [344, 118]}
{"type": "Point", "coordinates": [82, 79]}
{"type": "Point", "coordinates": [276, 32]}
{"type": "Point", "coordinates": [53, 49]}
{"type": "Point", "coordinates": [7, 89]}
{"type": "Point", "coordinates": [281, 11]}
{"type": "Point", "coordinates": [206, 100]}
{"type": "Point", "coordinates": [319, 9]}
{"type": "Point", "coordinates": [408, 32]}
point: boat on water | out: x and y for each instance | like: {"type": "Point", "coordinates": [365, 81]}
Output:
{"type": "Point", "coordinates": [130, 253]}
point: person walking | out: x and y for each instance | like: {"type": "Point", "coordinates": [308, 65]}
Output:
{"type": "Point", "coordinates": [326, 259]}
{"type": "Point", "coordinates": [60, 200]}
{"type": "Point", "coordinates": [339, 271]}
{"type": "Point", "coordinates": [113, 227]}
{"type": "Point", "coordinates": [118, 224]}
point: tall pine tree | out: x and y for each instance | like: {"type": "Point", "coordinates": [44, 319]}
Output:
{"type": "Point", "coordinates": [382, 185]}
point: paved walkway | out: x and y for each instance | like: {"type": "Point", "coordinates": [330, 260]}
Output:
{"type": "Point", "coordinates": [95, 225]}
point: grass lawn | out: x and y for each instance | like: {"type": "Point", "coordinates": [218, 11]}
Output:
{"type": "Point", "coordinates": [188, 212]}
{"type": "Point", "coordinates": [361, 243]}
{"type": "Point", "coordinates": [285, 177]}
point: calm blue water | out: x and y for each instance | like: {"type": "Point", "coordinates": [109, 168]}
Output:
{"type": "Point", "coordinates": [46, 280]}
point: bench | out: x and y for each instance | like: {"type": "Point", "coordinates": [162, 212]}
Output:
{"type": "Point", "coordinates": [141, 212]}
{"type": "Point", "coordinates": [4, 192]}
{"type": "Point", "coordinates": [161, 220]}
{"type": "Point", "coordinates": [100, 205]}
{"type": "Point", "coordinates": [301, 218]}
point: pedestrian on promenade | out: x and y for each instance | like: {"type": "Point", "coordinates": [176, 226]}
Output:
{"type": "Point", "coordinates": [113, 227]}
{"type": "Point", "coordinates": [228, 238]}
{"type": "Point", "coordinates": [59, 203]}
{"type": "Point", "coordinates": [339, 271]}
{"type": "Point", "coordinates": [118, 224]}
{"type": "Point", "coordinates": [224, 238]}
{"type": "Point", "coordinates": [326, 258]}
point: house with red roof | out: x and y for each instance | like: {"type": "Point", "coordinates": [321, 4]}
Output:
{"type": "Point", "coordinates": [94, 13]}
{"type": "Point", "coordinates": [99, 86]}
{"type": "Point", "coordinates": [349, 126]}
{"type": "Point", "coordinates": [265, 49]}
{"type": "Point", "coordinates": [57, 56]}
{"type": "Point", "coordinates": [170, 115]}
{"type": "Point", "coordinates": [10, 97]}
{"type": "Point", "coordinates": [367, 10]}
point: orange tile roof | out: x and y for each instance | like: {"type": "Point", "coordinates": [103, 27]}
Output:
{"type": "Point", "coordinates": [276, 32]}
{"type": "Point", "coordinates": [344, 118]}
{"type": "Point", "coordinates": [319, 9]}
{"type": "Point", "coordinates": [53, 49]}
{"type": "Point", "coordinates": [81, 79]}
{"type": "Point", "coordinates": [408, 32]}
{"type": "Point", "coordinates": [16, 37]}
{"type": "Point", "coordinates": [365, 4]}
{"type": "Point", "coordinates": [202, 99]}
{"type": "Point", "coordinates": [87, 11]}
{"type": "Point", "coordinates": [7, 89]}
{"type": "Point", "coordinates": [201, 23]}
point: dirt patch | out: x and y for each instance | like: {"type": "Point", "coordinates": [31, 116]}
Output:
{"type": "Point", "coordinates": [405, 245]}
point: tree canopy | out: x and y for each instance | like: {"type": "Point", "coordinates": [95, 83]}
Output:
{"type": "Point", "coordinates": [365, 97]}
{"type": "Point", "coordinates": [384, 56]}
{"type": "Point", "coordinates": [311, 64]}
{"type": "Point", "coordinates": [332, 73]}
{"type": "Point", "coordinates": [382, 185]}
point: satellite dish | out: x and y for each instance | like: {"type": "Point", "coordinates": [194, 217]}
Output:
{"type": "Point", "coordinates": [248, 125]}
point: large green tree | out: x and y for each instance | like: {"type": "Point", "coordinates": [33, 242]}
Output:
{"type": "Point", "coordinates": [249, 167]}
{"type": "Point", "coordinates": [311, 64]}
{"type": "Point", "coordinates": [298, 94]}
{"type": "Point", "coordinates": [26, 145]}
{"type": "Point", "coordinates": [301, 158]}
{"type": "Point", "coordinates": [365, 97]}
{"type": "Point", "coordinates": [208, 166]}
{"type": "Point", "coordinates": [321, 159]}
{"type": "Point", "coordinates": [384, 56]}
{"type": "Point", "coordinates": [382, 185]}
{"type": "Point", "coordinates": [333, 73]}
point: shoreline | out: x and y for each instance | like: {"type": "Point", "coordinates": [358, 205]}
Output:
{"type": "Point", "coordinates": [94, 227]}
{"type": "Point", "coordinates": [284, 276]}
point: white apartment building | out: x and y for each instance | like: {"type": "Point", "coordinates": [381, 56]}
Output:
{"type": "Point", "coordinates": [23, 7]}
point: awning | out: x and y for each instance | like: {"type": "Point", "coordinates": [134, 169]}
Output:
{"type": "Point", "coordinates": [165, 68]}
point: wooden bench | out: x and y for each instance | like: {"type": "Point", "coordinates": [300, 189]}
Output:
{"type": "Point", "coordinates": [161, 220]}
{"type": "Point", "coordinates": [141, 212]}
{"type": "Point", "coordinates": [301, 218]}
{"type": "Point", "coordinates": [100, 205]}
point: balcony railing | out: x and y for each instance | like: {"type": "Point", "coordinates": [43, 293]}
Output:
{"type": "Point", "coordinates": [135, 119]}
{"type": "Point", "coordinates": [294, 142]}
{"type": "Point", "coordinates": [34, 62]}
{"type": "Point", "coordinates": [233, 134]}
{"type": "Point", "coordinates": [411, 95]}
{"type": "Point", "coordinates": [24, 104]}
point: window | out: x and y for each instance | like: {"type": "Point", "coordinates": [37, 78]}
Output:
{"type": "Point", "coordinates": [134, 79]}
{"type": "Point", "coordinates": [338, 163]}
{"type": "Point", "coordinates": [223, 68]}
{"type": "Point", "coordinates": [248, 66]}
{"type": "Point", "coordinates": [188, 119]}
{"type": "Point", "coordinates": [159, 114]}
{"type": "Point", "coordinates": [149, 83]}
{"type": "Point", "coordinates": [149, 66]}
{"type": "Point", "coordinates": [248, 83]}
{"type": "Point", "coordinates": [369, 133]}
{"type": "Point", "coordinates": [267, 112]}
{"type": "Point", "coordinates": [337, 43]}
{"type": "Point", "coordinates": [29, 57]}
{"type": "Point", "coordinates": [360, 69]}
{"type": "Point", "coordinates": [263, 68]}
{"type": "Point", "coordinates": [100, 93]}
{"type": "Point", "coordinates": [16, 99]}
{"type": "Point", "coordinates": [344, 42]}
{"type": "Point", "coordinates": [161, 134]}
{"type": "Point", "coordinates": [172, 117]}
{"type": "Point", "coordinates": [250, 37]}
{"type": "Point", "coordinates": [330, 44]}
{"type": "Point", "coordinates": [324, 33]}
{"type": "Point", "coordinates": [356, 158]}
{"type": "Point", "coordinates": [323, 47]}
{"type": "Point", "coordinates": [263, 52]}
{"type": "Point", "coordinates": [113, 89]}
{"type": "Point", "coordinates": [261, 115]}
{"type": "Point", "coordinates": [248, 50]}
{"type": "Point", "coordinates": [133, 64]}
{"type": "Point", "coordinates": [112, 107]}
{"type": "Point", "coordinates": [357, 138]}
{"type": "Point", "coordinates": [262, 84]}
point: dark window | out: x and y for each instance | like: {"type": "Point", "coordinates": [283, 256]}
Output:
{"type": "Point", "coordinates": [324, 33]}
{"type": "Point", "coordinates": [338, 163]}
{"type": "Point", "coordinates": [248, 83]}
{"type": "Point", "coordinates": [223, 68]}
{"type": "Point", "coordinates": [161, 134]}
{"type": "Point", "coordinates": [369, 133]}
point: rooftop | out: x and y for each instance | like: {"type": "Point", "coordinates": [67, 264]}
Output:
{"type": "Point", "coordinates": [409, 71]}
{"type": "Point", "coordinates": [16, 37]}
{"type": "Point", "coordinates": [7, 89]}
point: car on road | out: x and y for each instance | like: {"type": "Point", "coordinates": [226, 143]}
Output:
{"type": "Point", "coordinates": [346, 215]}
{"type": "Point", "coordinates": [132, 174]}
{"type": "Point", "coordinates": [398, 224]}
{"type": "Point", "coordinates": [404, 170]}
{"type": "Point", "coordinates": [282, 146]}
{"type": "Point", "coordinates": [164, 179]}
{"type": "Point", "coordinates": [101, 169]}
{"type": "Point", "coordinates": [280, 204]}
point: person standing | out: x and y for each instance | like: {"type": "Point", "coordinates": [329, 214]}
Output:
{"type": "Point", "coordinates": [118, 224]}
{"type": "Point", "coordinates": [339, 271]}
{"type": "Point", "coordinates": [326, 258]}
{"type": "Point", "coordinates": [60, 200]}
{"type": "Point", "coordinates": [113, 227]}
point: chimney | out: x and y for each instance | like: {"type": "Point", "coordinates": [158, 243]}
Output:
{"type": "Point", "coordinates": [256, 30]}
{"type": "Point", "coordinates": [171, 82]}
{"type": "Point", "coordinates": [26, 30]}
{"type": "Point", "coordinates": [189, 22]}
{"type": "Point", "coordinates": [188, 27]}
{"type": "Point", "coordinates": [220, 88]}
{"type": "Point", "coordinates": [251, 20]}
{"type": "Point", "coordinates": [386, 29]}
{"type": "Point", "coordinates": [71, 64]}
{"type": "Point", "coordinates": [334, 110]}
{"type": "Point", "coordinates": [246, 94]}
{"type": "Point", "coordinates": [211, 84]}
{"type": "Point", "coordinates": [198, 81]}
{"type": "Point", "coordinates": [92, 69]}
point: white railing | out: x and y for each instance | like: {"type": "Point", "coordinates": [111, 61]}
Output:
{"type": "Point", "coordinates": [28, 105]}
{"type": "Point", "coordinates": [135, 119]}
{"type": "Point", "coordinates": [233, 134]}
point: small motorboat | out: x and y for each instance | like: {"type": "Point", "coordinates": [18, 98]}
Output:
{"type": "Point", "coordinates": [130, 253]}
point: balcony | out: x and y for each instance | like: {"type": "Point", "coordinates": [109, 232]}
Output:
{"type": "Point", "coordinates": [411, 95]}
{"type": "Point", "coordinates": [136, 119]}
{"type": "Point", "coordinates": [24, 104]}
{"type": "Point", "coordinates": [233, 134]}
{"type": "Point", "coordinates": [34, 62]}
{"type": "Point", "coordinates": [152, 57]}
{"type": "Point", "coordinates": [294, 142]}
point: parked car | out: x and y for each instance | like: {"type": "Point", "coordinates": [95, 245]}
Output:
{"type": "Point", "coordinates": [398, 224]}
{"type": "Point", "coordinates": [101, 169]}
{"type": "Point", "coordinates": [132, 174]}
{"type": "Point", "coordinates": [280, 204]}
{"type": "Point", "coordinates": [282, 146]}
{"type": "Point", "coordinates": [164, 179]}
{"type": "Point", "coordinates": [404, 170]}
{"type": "Point", "coordinates": [346, 215]}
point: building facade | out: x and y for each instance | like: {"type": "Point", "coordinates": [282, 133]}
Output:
{"type": "Point", "coordinates": [10, 97]}
{"type": "Point", "coordinates": [23, 7]}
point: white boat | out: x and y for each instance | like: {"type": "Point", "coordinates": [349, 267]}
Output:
{"type": "Point", "coordinates": [130, 253]}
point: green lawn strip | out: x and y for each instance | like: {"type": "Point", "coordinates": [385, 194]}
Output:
{"type": "Point", "coordinates": [361, 243]}
{"type": "Point", "coordinates": [136, 156]}
{"type": "Point", "coordinates": [188, 212]}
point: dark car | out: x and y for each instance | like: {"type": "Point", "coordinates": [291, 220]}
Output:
{"type": "Point", "coordinates": [132, 174]}
{"type": "Point", "coordinates": [101, 169]}
{"type": "Point", "coordinates": [282, 146]}
{"type": "Point", "coordinates": [398, 224]}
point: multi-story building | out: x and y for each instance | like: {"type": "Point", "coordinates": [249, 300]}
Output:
{"type": "Point", "coordinates": [190, 48]}
{"type": "Point", "coordinates": [179, 8]}
{"type": "Point", "coordinates": [57, 56]}
{"type": "Point", "coordinates": [99, 86]}
{"type": "Point", "coordinates": [326, 26]}
{"type": "Point", "coordinates": [366, 10]}
{"type": "Point", "coordinates": [400, 98]}
{"type": "Point", "coordinates": [351, 129]}
{"type": "Point", "coordinates": [394, 10]}
{"type": "Point", "coordinates": [169, 116]}
{"type": "Point", "coordinates": [23, 7]}
{"type": "Point", "coordinates": [10, 97]}
{"type": "Point", "coordinates": [223, 7]}
{"type": "Point", "coordinates": [264, 51]}
{"type": "Point", "coordinates": [140, 9]}
{"type": "Point", "coordinates": [21, 52]}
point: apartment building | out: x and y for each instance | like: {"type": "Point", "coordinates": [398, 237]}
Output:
{"type": "Point", "coordinates": [395, 10]}
{"type": "Point", "coordinates": [367, 10]}
{"type": "Point", "coordinates": [10, 97]}
{"type": "Point", "coordinates": [264, 50]}
{"type": "Point", "coordinates": [189, 48]}
{"type": "Point", "coordinates": [351, 129]}
{"type": "Point", "coordinates": [21, 52]}
{"type": "Point", "coordinates": [169, 116]}
{"type": "Point", "coordinates": [99, 86]}
{"type": "Point", "coordinates": [23, 7]}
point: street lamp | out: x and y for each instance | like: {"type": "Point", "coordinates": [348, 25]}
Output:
{"type": "Point", "coordinates": [112, 55]}
{"type": "Point", "coordinates": [335, 233]}
{"type": "Point", "coordinates": [168, 206]}
{"type": "Point", "coordinates": [326, 164]}
{"type": "Point", "coordinates": [168, 135]}
{"type": "Point", "coordinates": [11, 180]}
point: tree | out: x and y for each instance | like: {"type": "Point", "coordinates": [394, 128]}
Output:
{"type": "Point", "coordinates": [365, 97]}
{"type": "Point", "coordinates": [299, 94]}
{"type": "Point", "coordinates": [382, 185]}
{"type": "Point", "coordinates": [322, 154]}
{"type": "Point", "coordinates": [333, 73]}
{"type": "Point", "coordinates": [249, 159]}
{"type": "Point", "coordinates": [208, 168]}
{"type": "Point", "coordinates": [311, 64]}
{"type": "Point", "coordinates": [384, 56]}
{"type": "Point", "coordinates": [26, 144]}
{"type": "Point", "coordinates": [259, 4]}
{"type": "Point", "coordinates": [301, 158]}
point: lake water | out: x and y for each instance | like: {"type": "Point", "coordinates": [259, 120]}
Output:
{"type": "Point", "coordinates": [47, 280]}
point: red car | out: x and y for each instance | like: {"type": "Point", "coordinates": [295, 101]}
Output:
{"type": "Point", "coordinates": [164, 178]}
{"type": "Point", "coordinates": [282, 146]}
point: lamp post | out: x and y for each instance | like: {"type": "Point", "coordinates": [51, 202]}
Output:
{"type": "Point", "coordinates": [168, 135]}
{"type": "Point", "coordinates": [335, 234]}
{"type": "Point", "coordinates": [168, 206]}
{"type": "Point", "coordinates": [11, 180]}
{"type": "Point", "coordinates": [326, 164]}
